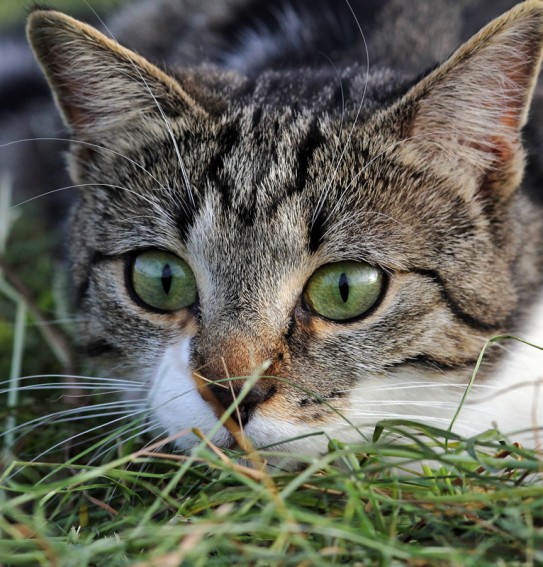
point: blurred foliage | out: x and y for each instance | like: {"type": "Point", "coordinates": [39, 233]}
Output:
{"type": "Point", "coordinates": [12, 11]}
{"type": "Point", "coordinates": [28, 253]}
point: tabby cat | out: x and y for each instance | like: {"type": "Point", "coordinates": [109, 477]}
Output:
{"type": "Point", "coordinates": [306, 213]}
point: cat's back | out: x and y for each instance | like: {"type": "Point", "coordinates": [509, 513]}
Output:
{"type": "Point", "coordinates": [251, 36]}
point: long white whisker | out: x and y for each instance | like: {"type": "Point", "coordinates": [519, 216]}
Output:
{"type": "Point", "coordinates": [78, 435]}
{"type": "Point", "coordinates": [330, 178]}
{"type": "Point", "coordinates": [416, 386]}
{"type": "Point", "coordinates": [68, 385]}
{"type": "Point", "coordinates": [136, 425]}
{"type": "Point", "coordinates": [76, 377]}
{"type": "Point", "coordinates": [146, 427]}
{"type": "Point", "coordinates": [89, 144]}
{"type": "Point", "coordinates": [169, 129]}
{"type": "Point", "coordinates": [413, 417]}
{"type": "Point", "coordinates": [66, 415]}
{"type": "Point", "coordinates": [421, 403]}
{"type": "Point", "coordinates": [83, 186]}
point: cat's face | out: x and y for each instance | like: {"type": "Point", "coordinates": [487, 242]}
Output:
{"type": "Point", "coordinates": [340, 257]}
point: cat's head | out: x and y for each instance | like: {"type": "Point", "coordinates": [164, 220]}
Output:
{"type": "Point", "coordinates": [345, 252]}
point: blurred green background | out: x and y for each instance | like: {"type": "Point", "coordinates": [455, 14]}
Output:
{"type": "Point", "coordinates": [13, 11]}
{"type": "Point", "coordinates": [35, 250]}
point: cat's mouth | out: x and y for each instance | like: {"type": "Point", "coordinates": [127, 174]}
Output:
{"type": "Point", "coordinates": [218, 396]}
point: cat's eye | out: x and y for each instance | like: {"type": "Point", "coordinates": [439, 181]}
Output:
{"type": "Point", "coordinates": [163, 281]}
{"type": "Point", "coordinates": [344, 290]}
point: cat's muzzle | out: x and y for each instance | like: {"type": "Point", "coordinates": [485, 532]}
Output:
{"type": "Point", "coordinates": [228, 394]}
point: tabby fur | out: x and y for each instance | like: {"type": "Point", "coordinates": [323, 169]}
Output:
{"type": "Point", "coordinates": [257, 159]}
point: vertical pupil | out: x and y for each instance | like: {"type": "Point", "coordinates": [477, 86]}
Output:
{"type": "Point", "coordinates": [343, 287]}
{"type": "Point", "coordinates": [166, 278]}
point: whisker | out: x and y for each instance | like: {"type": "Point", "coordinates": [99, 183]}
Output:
{"type": "Point", "coordinates": [415, 386]}
{"type": "Point", "coordinates": [67, 386]}
{"type": "Point", "coordinates": [116, 440]}
{"type": "Point", "coordinates": [376, 412]}
{"type": "Point", "coordinates": [83, 186]}
{"type": "Point", "coordinates": [146, 427]}
{"type": "Point", "coordinates": [66, 415]}
{"type": "Point", "coordinates": [484, 388]}
{"type": "Point", "coordinates": [330, 178]}
{"type": "Point", "coordinates": [68, 441]}
{"type": "Point", "coordinates": [75, 377]}
{"type": "Point", "coordinates": [169, 129]}
{"type": "Point", "coordinates": [404, 416]}
{"type": "Point", "coordinates": [421, 403]}
{"type": "Point", "coordinates": [88, 144]}
{"type": "Point", "coordinates": [137, 427]}
{"type": "Point", "coordinates": [95, 428]}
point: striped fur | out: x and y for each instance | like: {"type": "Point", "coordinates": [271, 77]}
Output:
{"type": "Point", "coordinates": [258, 166]}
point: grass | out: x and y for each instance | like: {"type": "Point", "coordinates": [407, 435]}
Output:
{"type": "Point", "coordinates": [102, 500]}
{"type": "Point", "coordinates": [349, 507]}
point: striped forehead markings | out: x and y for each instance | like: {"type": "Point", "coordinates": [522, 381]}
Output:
{"type": "Point", "coordinates": [244, 199]}
{"type": "Point", "coordinates": [227, 142]}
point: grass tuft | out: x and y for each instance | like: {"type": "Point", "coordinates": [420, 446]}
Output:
{"type": "Point", "coordinates": [475, 503]}
{"type": "Point", "coordinates": [78, 491]}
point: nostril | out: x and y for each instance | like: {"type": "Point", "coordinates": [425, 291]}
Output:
{"type": "Point", "coordinates": [270, 393]}
{"type": "Point", "coordinates": [226, 396]}
{"type": "Point", "coordinates": [222, 394]}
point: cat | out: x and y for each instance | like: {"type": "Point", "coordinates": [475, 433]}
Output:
{"type": "Point", "coordinates": [323, 202]}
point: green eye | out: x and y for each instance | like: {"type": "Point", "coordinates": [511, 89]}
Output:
{"type": "Point", "coordinates": [344, 290]}
{"type": "Point", "coordinates": [163, 281]}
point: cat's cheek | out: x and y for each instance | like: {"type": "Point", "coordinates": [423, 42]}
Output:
{"type": "Point", "coordinates": [176, 404]}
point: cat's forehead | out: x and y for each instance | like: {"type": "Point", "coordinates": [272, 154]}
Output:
{"type": "Point", "coordinates": [354, 90]}
{"type": "Point", "coordinates": [258, 156]}
{"type": "Point", "coordinates": [267, 180]}
{"type": "Point", "coordinates": [305, 194]}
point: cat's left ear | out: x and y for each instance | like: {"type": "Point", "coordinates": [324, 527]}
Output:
{"type": "Point", "coordinates": [100, 86]}
{"type": "Point", "coordinates": [465, 118]}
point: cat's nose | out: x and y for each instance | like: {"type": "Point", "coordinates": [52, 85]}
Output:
{"type": "Point", "coordinates": [228, 393]}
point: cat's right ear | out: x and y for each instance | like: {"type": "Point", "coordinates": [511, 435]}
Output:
{"type": "Point", "coordinates": [99, 85]}
{"type": "Point", "coordinates": [464, 120]}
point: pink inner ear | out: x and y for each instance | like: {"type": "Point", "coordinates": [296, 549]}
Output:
{"type": "Point", "coordinates": [502, 147]}
{"type": "Point", "coordinates": [501, 139]}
